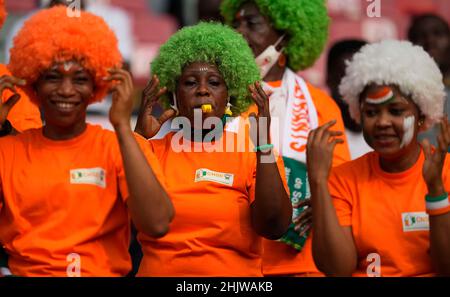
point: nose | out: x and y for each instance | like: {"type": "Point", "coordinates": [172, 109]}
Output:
{"type": "Point", "coordinates": [66, 88]}
{"type": "Point", "coordinates": [383, 120]}
{"type": "Point", "coordinates": [202, 89]}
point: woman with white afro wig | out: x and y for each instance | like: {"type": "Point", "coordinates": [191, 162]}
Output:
{"type": "Point", "coordinates": [386, 213]}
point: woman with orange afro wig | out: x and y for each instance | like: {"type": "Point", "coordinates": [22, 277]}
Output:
{"type": "Point", "coordinates": [68, 188]}
{"type": "Point", "coordinates": [22, 114]}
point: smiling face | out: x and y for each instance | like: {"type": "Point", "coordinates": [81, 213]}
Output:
{"type": "Point", "coordinates": [389, 127]}
{"type": "Point", "coordinates": [201, 83]}
{"type": "Point", "coordinates": [64, 91]}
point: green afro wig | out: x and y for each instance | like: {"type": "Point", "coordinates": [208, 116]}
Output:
{"type": "Point", "coordinates": [304, 21]}
{"type": "Point", "coordinates": [211, 43]}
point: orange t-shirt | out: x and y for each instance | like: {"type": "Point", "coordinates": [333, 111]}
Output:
{"type": "Point", "coordinates": [211, 233]}
{"type": "Point", "coordinates": [25, 114]}
{"type": "Point", "coordinates": [64, 199]}
{"type": "Point", "coordinates": [387, 214]}
{"type": "Point", "coordinates": [279, 258]}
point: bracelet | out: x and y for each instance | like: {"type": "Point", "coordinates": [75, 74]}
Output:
{"type": "Point", "coordinates": [263, 148]}
{"type": "Point", "coordinates": [437, 205]}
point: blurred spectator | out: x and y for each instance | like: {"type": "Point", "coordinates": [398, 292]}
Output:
{"type": "Point", "coordinates": [432, 32]}
{"type": "Point", "coordinates": [339, 53]}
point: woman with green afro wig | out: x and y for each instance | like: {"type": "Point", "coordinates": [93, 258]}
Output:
{"type": "Point", "coordinates": [287, 36]}
{"type": "Point", "coordinates": [212, 43]}
{"type": "Point", "coordinates": [226, 198]}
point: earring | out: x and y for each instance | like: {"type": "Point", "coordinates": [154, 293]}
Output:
{"type": "Point", "coordinates": [174, 106]}
{"type": "Point", "coordinates": [228, 111]}
{"type": "Point", "coordinates": [282, 60]}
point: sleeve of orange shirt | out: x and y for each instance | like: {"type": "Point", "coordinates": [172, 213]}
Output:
{"type": "Point", "coordinates": [341, 195]}
{"type": "Point", "coordinates": [328, 110]}
{"type": "Point", "coordinates": [152, 161]}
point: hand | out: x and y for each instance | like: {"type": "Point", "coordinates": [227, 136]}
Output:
{"type": "Point", "coordinates": [319, 151]}
{"type": "Point", "coordinates": [147, 125]}
{"type": "Point", "coordinates": [304, 221]}
{"type": "Point", "coordinates": [122, 102]}
{"type": "Point", "coordinates": [434, 160]}
{"type": "Point", "coordinates": [9, 82]}
{"type": "Point", "coordinates": [262, 102]}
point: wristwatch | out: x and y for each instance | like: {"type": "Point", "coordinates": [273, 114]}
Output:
{"type": "Point", "coordinates": [6, 128]}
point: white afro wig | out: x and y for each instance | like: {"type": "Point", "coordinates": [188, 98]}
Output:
{"type": "Point", "coordinates": [398, 63]}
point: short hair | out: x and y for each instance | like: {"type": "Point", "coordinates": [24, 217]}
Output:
{"type": "Point", "coordinates": [399, 63]}
{"type": "Point", "coordinates": [304, 21]}
{"type": "Point", "coordinates": [212, 43]}
{"type": "Point", "coordinates": [342, 47]}
{"type": "Point", "coordinates": [417, 20]}
{"type": "Point", "coordinates": [52, 36]}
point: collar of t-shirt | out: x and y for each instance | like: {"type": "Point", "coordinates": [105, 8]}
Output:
{"type": "Point", "coordinates": [398, 177]}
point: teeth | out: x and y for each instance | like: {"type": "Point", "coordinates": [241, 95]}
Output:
{"type": "Point", "coordinates": [65, 105]}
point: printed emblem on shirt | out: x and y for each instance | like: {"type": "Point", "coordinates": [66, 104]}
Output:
{"type": "Point", "coordinates": [88, 176]}
{"type": "Point", "coordinates": [415, 221]}
{"type": "Point", "coordinates": [203, 174]}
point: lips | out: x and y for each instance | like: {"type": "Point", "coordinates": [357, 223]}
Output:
{"type": "Point", "coordinates": [385, 139]}
{"type": "Point", "coordinates": [202, 102]}
{"type": "Point", "coordinates": [65, 106]}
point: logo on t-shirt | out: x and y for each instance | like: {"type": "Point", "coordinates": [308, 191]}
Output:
{"type": "Point", "coordinates": [415, 221]}
{"type": "Point", "coordinates": [88, 176]}
{"type": "Point", "coordinates": [203, 174]}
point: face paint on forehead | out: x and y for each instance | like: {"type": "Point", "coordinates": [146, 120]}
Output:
{"type": "Point", "coordinates": [380, 96]}
{"type": "Point", "coordinates": [65, 66]}
{"type": "Point", "coordinates": [408, 130]}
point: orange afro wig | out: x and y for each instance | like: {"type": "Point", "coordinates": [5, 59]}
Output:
{"type": "Point", "coordinates": [51, 36]}
{"type": "Point", "coordinates": [3, 13]}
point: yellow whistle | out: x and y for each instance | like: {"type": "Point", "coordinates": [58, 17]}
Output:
{"type": "Point", "coordinates": [206, 108]}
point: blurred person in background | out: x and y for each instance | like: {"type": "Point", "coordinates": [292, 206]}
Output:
{"type": "Point", "coordinates": [339, 53]}
{"type": "Point", "coordinates": [432, 32]}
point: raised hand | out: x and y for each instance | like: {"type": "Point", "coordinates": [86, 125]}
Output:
{"type": "Point", "coordinates": [319, 151]}
{"type": "Point", "coordinates": [147, 125]}
{"type": "Point", "coordinates": [261, 100]}
{"type": "Point", "coordinates": [122, 101]}
{"type": "Point", "coordinates": [434, 160]}
{"type": "Point", "coordinates": [9, 82]}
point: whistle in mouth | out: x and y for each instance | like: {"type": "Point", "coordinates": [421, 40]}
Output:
{"type": "Point", "coordinates": [206, 108]}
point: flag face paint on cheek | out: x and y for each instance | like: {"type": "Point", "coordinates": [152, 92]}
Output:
{"type": "Point", "coordinates": [408, 130]}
